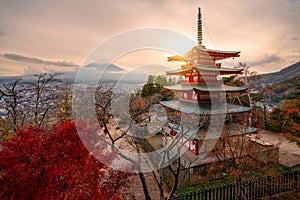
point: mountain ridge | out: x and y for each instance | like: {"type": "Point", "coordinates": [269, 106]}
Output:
{"type": "Point", "coordinates": [286, 73]}
{"type": "Point", "coordinates": [113, 72]}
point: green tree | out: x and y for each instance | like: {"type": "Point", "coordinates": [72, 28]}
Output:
{"type": "Point", "coordinates": [161, 79]}
{"type": "Point", "coordinates": [232, 81]}
{"type": "Point", "coordinates": [150, 89]}
{"type": "Point", "coordinates": [171, 81]}
{"type": "Point", "coordinates": [151, 79]}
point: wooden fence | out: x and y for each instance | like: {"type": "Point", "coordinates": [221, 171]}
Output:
{"type": "Point", "coordinates": [257, 188]}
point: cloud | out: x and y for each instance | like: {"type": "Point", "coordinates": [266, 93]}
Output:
{"type": "Point", "coordinates": [266, 59]}
{"type": "Point", "coordinates": [6, 69]}
{"type": "Point", "coordinates": [21, 58]}
{"type": "Point", "coordinates": [75, 30]}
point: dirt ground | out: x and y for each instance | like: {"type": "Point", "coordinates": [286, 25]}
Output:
{"type": "Point", "coordinates": [136, 188]}
{"type": "Point", "coordinates": [289, 152]}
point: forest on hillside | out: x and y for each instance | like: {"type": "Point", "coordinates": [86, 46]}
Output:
{"type": "Point", "coordinates": [288, 89]}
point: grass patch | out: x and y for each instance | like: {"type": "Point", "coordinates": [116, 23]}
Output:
{"type": "Point", "coordinates": [277, 169]}
{"type": "Point", "coordinates": [210, 184]}
{"type": "Point", "coordinates": [283, 169]}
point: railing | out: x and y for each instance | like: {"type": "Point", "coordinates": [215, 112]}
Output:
{"type": "Point", "coordinates": [257, 188]}
{"type": "Point", "coordinates": [190, 81]}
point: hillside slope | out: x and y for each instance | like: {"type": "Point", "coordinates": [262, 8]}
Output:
{"type": "Point", "coordinates": [290, 72]}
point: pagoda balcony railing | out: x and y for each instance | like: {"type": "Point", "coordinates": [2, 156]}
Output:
{"type": "Point", "coordinates": [208, 64]}
{"type": "Point", "coordinates": [200, 82]}
{"type": "Point", "coordinates": [187, 81]}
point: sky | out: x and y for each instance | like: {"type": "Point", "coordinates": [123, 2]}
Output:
{"type": "Point", "coordinates": [50, 36]}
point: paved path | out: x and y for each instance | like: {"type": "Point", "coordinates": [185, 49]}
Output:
{"type": "Point", "coordinates": [136, 188]}
{"type": "Point", "coordinates": [289, 152]}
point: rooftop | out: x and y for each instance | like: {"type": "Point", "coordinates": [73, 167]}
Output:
{"type": "Point", "coordinates": [215, 88]}
{"type": "Point", "coordinates": [200, 134]}
{"type": "Point", "coordinates": [200, 68]}
{"type": "Point", "coordinates": [212, 53]}
{"type": "Point", "coordinates": [204, 108]}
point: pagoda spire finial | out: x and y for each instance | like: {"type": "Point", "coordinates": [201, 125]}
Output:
{"type": "Point", "coordinates": [199, 27]}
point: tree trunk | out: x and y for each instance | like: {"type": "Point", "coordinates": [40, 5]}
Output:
{"type": "Point", "coordinates": [144, 184]}
{"type": "Point", "coordinates": [174, 188]}
{"type": "Point", "coordinates": [176, 178]}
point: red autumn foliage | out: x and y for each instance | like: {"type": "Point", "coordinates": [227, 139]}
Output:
{"type": "Point", "coordinates": [54, 164]}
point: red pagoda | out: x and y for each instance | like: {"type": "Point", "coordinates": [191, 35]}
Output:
{"type": "Point", "coordinates": [201, 94]}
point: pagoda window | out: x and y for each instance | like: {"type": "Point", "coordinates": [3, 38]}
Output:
{"type": "Point", "coordinates": [185, 95]}
{"type": "Point", "coordinates": [194, 95]}
{"type": "Point", "coordinates": [195, 78]}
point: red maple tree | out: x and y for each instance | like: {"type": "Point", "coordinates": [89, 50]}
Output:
{"type": "Point", "coordinates": [54, 164]}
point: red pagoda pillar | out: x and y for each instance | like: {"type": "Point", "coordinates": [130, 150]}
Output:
{"type": "Point", "coordinates": [196, 151]}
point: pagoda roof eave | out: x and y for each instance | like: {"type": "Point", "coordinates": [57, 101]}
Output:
{"type": "Point", "coordinates": [178, 71]}
{"type": "Point", "coordinates": [215, 54]}
{"type": "Point", "coordinates": [205, 68]}
{"type": "Point", "coordinates": [222, 51]}
{"type": "Point", "coordinates": [204, 108]}
{"type": "Point", "coordinates": [234, 129]}
{"type": "Point", "coordinates": [224, 88]}
{"type": "Point", "coordinates": [176, 58]}
{"type": "Point", "coordinates": [200, 134]}
{"type": "Point", "coordinates": [216, 88]}
{"type": "Point", "coordinates": [179, 87]}
{"type": "Point", "coordinates": [218, 69]}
